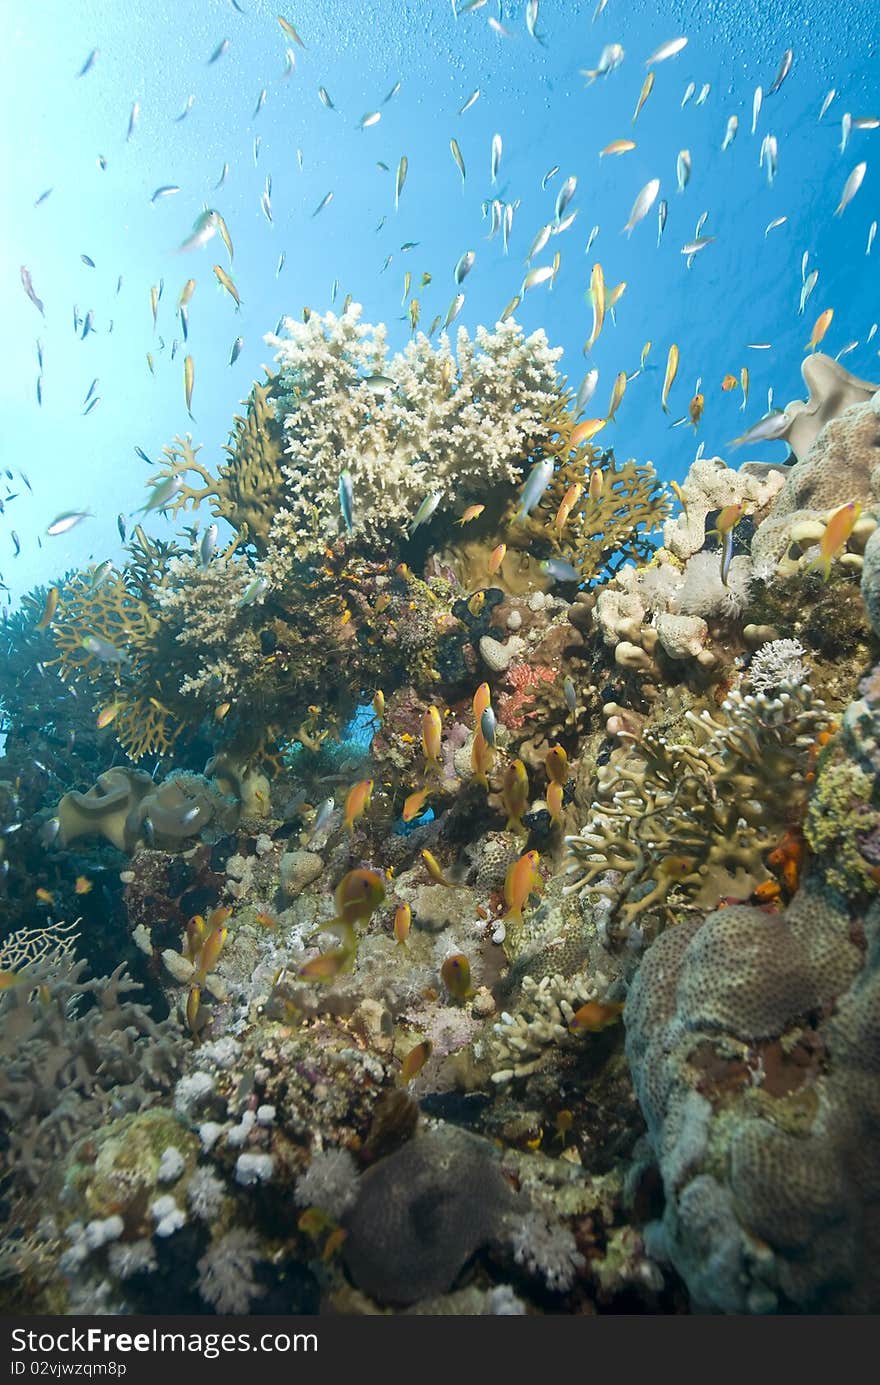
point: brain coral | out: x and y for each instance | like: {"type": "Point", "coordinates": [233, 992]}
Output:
{"type": "Point", "coordinates": [754, 1042]}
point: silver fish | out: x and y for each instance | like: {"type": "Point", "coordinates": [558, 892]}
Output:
{"type": "Point", "coordinates": [89, 62]}
{"type": "Point", "coordinates": [683, 168]}
{"type": "Point", "coordinates": [464, 266]}
{"type": "Point", "coordinates": [236, 350]}
{"type": "Point", "coordinates": [496, 156]}
{"type": "Point", "coordinates": [827, 102]}
{"type": "Point", "coordinates": [850, 188]}
{"type": "Point", "coordinates": [322, 817]}
{"type": "Point", "coordinates": [845, 127]}
{"type": "Point", "coordinates": [453, 311]}
{"type": "Point", "coordinates": [586, 391]}
{"type": "Point", "coordinates": [190, 102]}
{"type": "Point", "coordinates": [666, 50]}
{"type": "Point", "coordinates": [662, 213]}
{"type": "Point", "coordinates": [324, 202]}
{"type": "Point", "coordinates": [688, 93]}
{"type": "Point", "coordinates": [730, 132]}
{"type": "Point", "coordinates": [784, 69]}
{"type": "Point", "coordinates": [643, 204]}
{"type": "Point", "coordinates": [346, 499]}
{"type": "Point", "coordinates": [551, 173]}
{"type": "Point", "coordinates": [704, 92]}
{"type": "Point", "coordinates": [208, 544]}
{"type": "Point", "coordinates": [765, 430]}
{"type": "Point", "coordinates": [566, 193]}
{"type": "Point", "coordinates": [539, 479]}
{"type": "Point", "coordinates": [559, 570]}
{"type": "Point", "coordinates": [64, 522]}
{"type": "Point", "coordinates": [425, 511]}
{"type": "Point", "coordinates": [540, 241]}
{"type": "Point", "coordinates": [757, 103]}
{"type": "Point", "coordinates": [132, 120]}
{"type": "Point", "coordinates": [872, 231]}
{"type": "Point", "coordinates": [472, 99]}
{"type": "Point", "coordinates": [254, 591]}
{"type": "Point", "coordinates": [488, 725]}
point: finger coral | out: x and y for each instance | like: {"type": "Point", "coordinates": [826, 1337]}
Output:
{"type": "Point", "coordinates": [669, 816]}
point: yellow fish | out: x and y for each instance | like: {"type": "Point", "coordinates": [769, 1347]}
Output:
{"type": "Point", "coordinates": [357, 802]}
{"type": "Point", "coordinates": [515, 795]}
{"type": "Point", "coordinates": [482, 700]}
{"type": "Point", "coordinates": [226, 282]}
{"type": "Point", "coordinates": [597, 483]}
{"type": "Point", "coordinates": [556, 764]}
{"type": "Point", "coordinates": [647, 88]}
{"type": "Point", "coordinates": [597, 296]}
{"type": "Point", "coordinates": [482, 758]}
{"type": "Point", "coordinates": [379, 703]}
{"type": "Point", "coordinates": [617, 393]}
{"type": "Point", "coordinates": [455, 973]}
{"type": "Point", "coordinates": [402, 922]}
{"type": "Point", "coordinates": [555, 794]}
{"type": "Point", "coordinates": [106, 715]}
{"type": "Point", "coordinates": [695, 409]}
{"type": "Point", "coordinates": [834, 539]}
{"type": "Point", "coordinates": [210, 952]}
{"type": "Point", "coordinates": [435, 870]}
{"type": "Point", "coordinates": [45, 896]}
{"type": "Point", "coordinates": [472, 512]}
{"type": "Point", "coordinates": [193, 1001]}
{"type": "Point", "coordinates": [415, 1060]}
{"type": "Point", "coordinates": [820, 327]}
{"type": "Point", "coordinates": [431, 736]}
{"type": "Point", "coordinates": [49, 609]}
{"type": "Point", "coordinates": [189, 375]}
{"type": "Point", "coordinates": [327, 965]}
{"type": "Point", "coordinates": [671, 372]}
{"type": "Point", "coordinates": [522, 879]}
{"type": "Point", "coordinates": [617, 146]}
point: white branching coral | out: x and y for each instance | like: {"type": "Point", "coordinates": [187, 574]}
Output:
{"type": "Point", "coordinates": [416, 423]}
{"type": "Point", "coordinates": [543, 1018]}
{"type": "Point", "coordinates": [204, 608]}
{"type": "Point", "coordinates": [777, 662]}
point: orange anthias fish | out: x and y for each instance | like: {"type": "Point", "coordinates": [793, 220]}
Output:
{"type": "Point", "coordinates": [834, 540]}
{"type": "Point", "coordinates": [328, 964]}
{"type": "Point", "coordinates": [586, 431]}
{"type": "Point", "coordinates": [209, 953]}
{"type": "Point", "coordinates": [482, 758]}
{"type": "Point", "coordinates": [455, 973]}
{"type": "Point", "coordinates": [556, 764]}
{"type": "Point", "coordinates": [729, 382]}
{"type": "Point", "coordinates": [357, 896]}
{"type": "Point", "coordinates": [402, 922]}
{"type": "Point", "coordinates": [83, 884]}
{"type": "Point", "coordinates": [482, 699]}
{"type": "Point", "coordinates": [496, 558]}
{"type": "Point", "coordinates": [472, 512]}
{"type": "Point", "coordinates": [357, 802]}
{"type": "Point", "coordinates": [595, 1016]}
{"type": "Point", "coordinates": [523, 879]}
{"type": "Point", "coordinates": [414, 805]}
{"type": "Point", "coordinates": [788, 858]}
{"type": "Point", "coordinates": [49, 609]}
{"type": "Point", "coordinates": [515, 795]}
{"type": "Point", "coordinates": [695, 409]}
{"type": "Point", "coordinates": [820, 327]}
{"type": "Point", "coordinates": [569, 500]}
{"type": "Point", "coordinates": [431, 736]}
{"type": "Point", "coordinates": [415, 1060]}
{"type": "Point", "coordinates": [555, 794]}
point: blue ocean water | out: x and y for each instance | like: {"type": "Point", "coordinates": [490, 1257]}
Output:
{"type": "Point", "coordinates": [66, 135]}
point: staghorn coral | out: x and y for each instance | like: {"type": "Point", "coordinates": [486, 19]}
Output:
{"type": "Point", "coordinates": [667, 816]}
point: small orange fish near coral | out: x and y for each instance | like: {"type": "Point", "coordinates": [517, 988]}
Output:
{"type": "Point", "coordinates": [83, 884]}
{"type": "Point", "coordinates": [594, 1016]}
{"type": "Point", "coordinates": [328, 965]}
{"type": "Point", "coordinates": [515, 795]}
{"type": "Point", "coordinates": [472, 512]}
{"type": "Point", "coordinates": [522, 879]}
{"type": "Point", "coordinates": [555, 793]}
{"type": "Point", "coordinates": [431, 736]}
{"type": "Point", "coordinates": [265, 920]}
{"type": "Point", "coordinates": [357, 802]}
{"type": "Point", "coordinates": [695, 408]}
{"type": "Point", "coordinates": [414, 805]}
{"type": "Point", "coordinates": [45, 896]}
{"type": "Point", "coordinates": [834, 540]}
{"type": "Point", "coordinates": [415, 1060]}
{"type": "Point", "coordinates": [556, 764]}
{"type": "Point", "coordinates": [496, 558]}
{"type": "Point", "coordinates": [729, 383]}
{"type": "Point", "coordinates": [482, 699]}
{"type": "Point", "coordinates": [455, 973]}
{"type": "Point", "coordinates": [586, 431]}
{"type": "Point", "coordinates": [402, 922]}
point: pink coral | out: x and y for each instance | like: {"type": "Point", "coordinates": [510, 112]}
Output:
{"type": "Point", "coordinates": [514, 708]}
